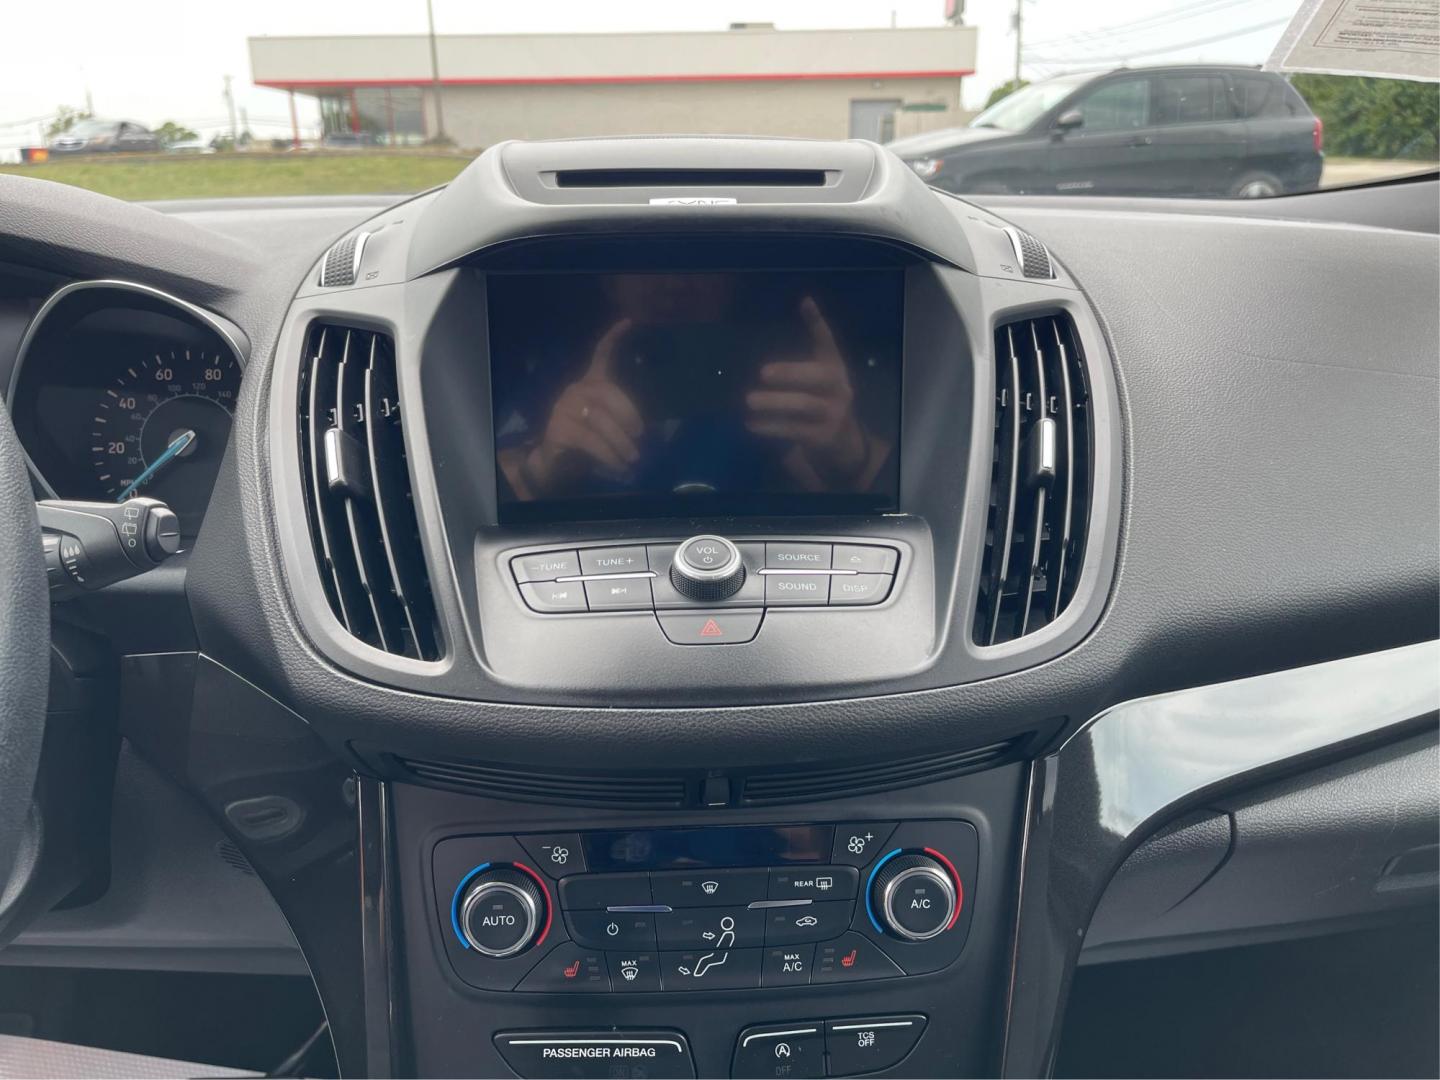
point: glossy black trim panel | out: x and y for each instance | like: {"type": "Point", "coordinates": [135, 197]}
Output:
{"type": "Point", "coordinates": [1143, 762]}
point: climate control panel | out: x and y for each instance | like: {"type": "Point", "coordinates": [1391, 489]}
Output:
{"type": "Point", "coordinates": [705, 909]}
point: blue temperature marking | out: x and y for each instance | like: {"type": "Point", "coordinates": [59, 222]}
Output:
{"type": "Point", "coordinates": [869, 907]}
{"type": "Point", "coordinates": [455, 903]}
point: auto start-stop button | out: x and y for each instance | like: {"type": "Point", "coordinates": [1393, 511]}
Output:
{"type": "Point", "coordinates": [542, 1055]}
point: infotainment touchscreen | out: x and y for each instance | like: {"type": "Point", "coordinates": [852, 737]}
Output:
{"type": "Point", "coordinates": [683, 393]}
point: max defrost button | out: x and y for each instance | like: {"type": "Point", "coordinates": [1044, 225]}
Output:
{"type": "Point", "coordinates": [553, 1055]}
{"type": "Point", "coordinates": [715, 627]}
{"type": "Point", "coordinates": [554, 596]}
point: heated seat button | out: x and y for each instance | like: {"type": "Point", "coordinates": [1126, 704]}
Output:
{"type": "Point", "coordinates": [707, 888]}
{"type": "Point", "coordinates": [787, 556]}
{"type": "Point", "coordinates": [852, 958]}
{"type": "Point", "coordinates": [863, 558]}
{"type": "Point", "coordinates": [857, 588]}
{"type": "Point", "coordinates": [713, 627]}
{"type": "Point", "coordinates": [780, 1051]}
{"type": "Point", "coordinates": [546, 566]}
{"type": "Point", "coordinates": [612, 929]}
{"type": "Point", "coordinates": [807, 922]}
{"type": "Point", "coordinates": [814, 883]}
{"type": "Point", "coordinates": [797, 589]}
{"type": "Point", "coordinates": [619, 594]}
{"type": "Point", "coordinates": [554, 596]}
{"type": "Point", "coordinates": [871, 1043]}
{"type": "Point", "coordinates": [568, 968]}
{"type": "Point", "coordinates": [613, 560]}
{"type": "Point", "coordinates": [559, 1055]}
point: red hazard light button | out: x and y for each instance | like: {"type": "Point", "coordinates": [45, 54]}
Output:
{"type": "Point", "coordinates": [723, 627]}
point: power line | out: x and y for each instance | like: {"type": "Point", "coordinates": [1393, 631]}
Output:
{"type": "Point", "coordinates": [1142, 53]}
{"type": "Point", "coordinates": [1149, 22]}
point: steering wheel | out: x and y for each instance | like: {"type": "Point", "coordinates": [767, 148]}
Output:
{"type": "Point", "coordinates": [24, 645]}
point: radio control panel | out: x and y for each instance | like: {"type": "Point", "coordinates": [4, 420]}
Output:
{"type": "Point", "coordinates": [715, 908]}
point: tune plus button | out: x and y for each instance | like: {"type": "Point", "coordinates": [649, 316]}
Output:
{"type": "Point", "coordinates": [614, 560]}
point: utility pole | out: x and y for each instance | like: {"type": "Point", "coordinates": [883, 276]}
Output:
{"type": "Point", "coordinates": [435, 74]}
{"type": "Point", "coordinates": [230, 103]}
{"type": "Point", "coordinates": [1019, 19]}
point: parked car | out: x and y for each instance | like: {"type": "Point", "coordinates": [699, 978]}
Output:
{"type": "Point", "coordinates": [196, 145]}
{"type": "Point", "coordinates": [1222, 131]}
{"type": "Point", "coordinates": [105, 136]}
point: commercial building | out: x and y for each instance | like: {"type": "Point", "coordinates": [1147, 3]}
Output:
{"type": "Point", "coordinates": [755, 79]}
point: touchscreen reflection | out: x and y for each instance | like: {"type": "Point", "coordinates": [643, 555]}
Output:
{"type": "Point", "coordinates": [693, 384]}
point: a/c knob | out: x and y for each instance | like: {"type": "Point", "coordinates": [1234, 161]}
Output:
{"type": "Point", "coordinates": [914, 897]}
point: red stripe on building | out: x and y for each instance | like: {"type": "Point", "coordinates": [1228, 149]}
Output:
{"type": "Point", "coordinates": [587, 80]}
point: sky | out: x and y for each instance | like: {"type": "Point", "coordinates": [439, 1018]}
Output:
{"type": "Point", "coordinates": [157, 60]}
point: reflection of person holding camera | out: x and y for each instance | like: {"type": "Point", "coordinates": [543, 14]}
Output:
{"type": "Point", "coordinates": [805, 399]}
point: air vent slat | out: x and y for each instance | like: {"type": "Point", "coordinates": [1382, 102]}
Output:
{"type": "Point", "coordinates": [640, 792]}
{"type": "Point", "coordinates": [358, 493]}
{"type": "Point", "coordinates": [317, 397]}
{"type": "Point", "coordinates": [1004, 482]}
{"type": "Point", "coordinates": [871, 777]}
{"type": "Point", "coordinates": [1040, 483]}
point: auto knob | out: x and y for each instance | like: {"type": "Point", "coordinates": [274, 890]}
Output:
{"type": "Point", "coordinates": [914, 897]}
{"type": "Point", "coordinates": [707, 568]}
{"type": "Point", "coordinates": [502, 912]}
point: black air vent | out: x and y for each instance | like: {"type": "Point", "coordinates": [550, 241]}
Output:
{"type": "Point", "coordinates": [575, 789]}
{"type": "Point", "coordinates": [1040, 479]}
{"type": "Point", "coordinates": [357, 489]}
{"type": "Point", "coordinates": [810, 785]}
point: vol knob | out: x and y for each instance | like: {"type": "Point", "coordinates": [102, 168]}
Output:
{"type": "Point", "coordinates": [914, 897]}
{"type": "Point", "coordinates": [707, 568]}
{"type": "Point", "coordinates": [502, 912]}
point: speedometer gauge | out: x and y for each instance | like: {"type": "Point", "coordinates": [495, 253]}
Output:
{"type": "Point", "coordinates": [161, 428]}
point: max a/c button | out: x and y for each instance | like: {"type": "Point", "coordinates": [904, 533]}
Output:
{"type": "Point", "coordinates": [717, 627]}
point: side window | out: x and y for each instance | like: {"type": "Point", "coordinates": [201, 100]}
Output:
{"type": "Point", "coordinates": [1257, 97]}
{"type": "Point", "coordinates": [1190, 99]}
{"type": "Point", "coordinates": [1117, 106]}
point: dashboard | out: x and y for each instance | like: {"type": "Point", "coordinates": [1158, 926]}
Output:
{"type": "Point", "coordinates": [720, 607]}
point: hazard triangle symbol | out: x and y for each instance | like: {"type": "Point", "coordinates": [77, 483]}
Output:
{"type": "Point", "coordinates": [711, 629]}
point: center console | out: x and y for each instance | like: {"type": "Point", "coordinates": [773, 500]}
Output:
{"type": "Point", "coordinates": [618, 520]}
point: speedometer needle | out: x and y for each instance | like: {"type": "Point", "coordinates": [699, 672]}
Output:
{"type": "Point", "coordinates": [184, 439]}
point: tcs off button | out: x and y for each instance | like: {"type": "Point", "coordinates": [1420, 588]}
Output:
{"type": "Point", "coordinates": [544, 1055]}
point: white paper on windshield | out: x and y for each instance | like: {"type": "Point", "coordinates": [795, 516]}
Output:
{"type": "Point", "coordinates": [1390, 39]}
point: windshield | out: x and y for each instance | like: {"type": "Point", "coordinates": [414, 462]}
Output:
{"type": "Point", "coordinates": [1022, 108]}
{"type": "Point", "coordinates": [1218, 99]}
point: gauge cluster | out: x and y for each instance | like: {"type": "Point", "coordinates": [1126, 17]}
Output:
{"type": "Point", "coordinates": [121, 392]}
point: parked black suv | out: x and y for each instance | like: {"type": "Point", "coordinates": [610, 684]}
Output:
{"type": "Point", "coordinates": [1226, 131]}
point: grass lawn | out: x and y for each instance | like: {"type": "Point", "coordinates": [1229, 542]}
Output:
{"type": "Point", "coordinates": [218, 175]}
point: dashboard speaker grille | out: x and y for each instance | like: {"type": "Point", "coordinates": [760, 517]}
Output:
{"type": "Point", "coordinates": [1040, 479]}
{"type": "Point", "coordinates": [575, 789]}
{"type": "Point", "coordinates": [811, 785]}
{"type": "Point", "coordinates": [357, 488]}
